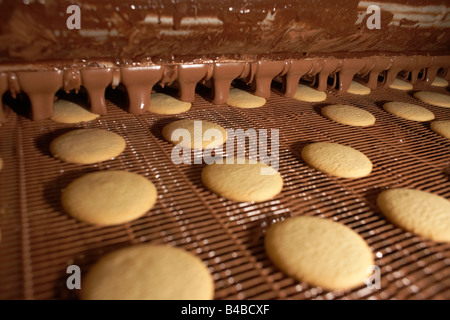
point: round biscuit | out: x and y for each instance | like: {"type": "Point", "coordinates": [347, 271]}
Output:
{"type": "Point", "coordinates": [348, 115]}
{"type": "Point", "coordinates": [242, 181]}
{"type": "Point", "coordinates": [108, 197]}
{"type": "Point", "coordinates": [433, 98]}
{"type": "Point", "coordinates": [441, 127]}
{"type": "Point", "coordinates": [358, 88]}
{"type": "Point", "coordinates": [194, 129]}
{"type": "Point", "coordinates": [148, 272]}
{"type": "Point", "coordinates": [164, 104]}
{"type": "Point", "coordinates": [320, 252]}
{"type": "Point", "coordinates": [243, 99]}
{"type": "Point", "coordinates": [408, 111]}
{"type": "Point", "coordinates": [308, 94]}
{"type": "Point", "coordinates": [401, 85]}
{"type": "Point", "coordinates": [439, 82]}
{"type": "Point", "coordinates": [337, 160]}
{"type": "Point", "coordinates": [65, 111]}
{"type": "Point", "coordinates": [423, 213]}
{"type": "Point", "coordinates": [87, 146]}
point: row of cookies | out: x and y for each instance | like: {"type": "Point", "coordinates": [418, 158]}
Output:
{"type": "Point", "coordinates": [228, 173]}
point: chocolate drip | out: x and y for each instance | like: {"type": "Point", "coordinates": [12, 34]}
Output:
{"type": "Point", "coordinates": [71, 80]}
{"type": "Point", "coordinates": [350, 67]}
{"type": "Point", "coordinates": [42, 84]}
{"type": "Point", "coordinates": [170, 74]}
{"type": "Point", "coordinates": [381, 64]}
{"type": "Point", "coordinates": [41, 88]}
{"type": "Point", "coordinates": [296, 70]}
{"type": "Point", "coordinates": [329, 66]}
{"type": "Point", "coordinates": [188, 77]}
{"type": "Point", "coordinates": [139, 82]}
{"type": "Point", "coordinates": [3, 88]}
{"type": "Point", "coordinates": [419, 64]}
{"type": "Point", "coordinates": [399, 64]}
{"type": "Point", "coordinates": [435, 64]}
{"type": "Point", "coordinates": [223, 75]}
{"type": "Point", "coordinates": [95, 80]}
{"type": "Point", "coordinates": [264, 73]}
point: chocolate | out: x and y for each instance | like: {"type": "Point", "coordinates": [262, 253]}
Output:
{"type": "Point", "coordinates": [186, 31]}
{"type": "Point", "coordinates": [139, 80]}
{"type": "Point", "coordinates": [95, 80]}
{"type": "Point", "coordinates": [183, 43]}
{"type": "Point", "coordinates": [41, 87]}
{"type": "Point", "coordinates": [223, 75]}
{"type": "Point", "coordinates": [296, 70]}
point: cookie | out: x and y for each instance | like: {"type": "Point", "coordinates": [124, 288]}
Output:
{"type": "Point", "coordinates": [423, 213]}
{"type": "Point", "coordinates": [441, 127]}
{"type": "Point", "coordinates": [243, 99]}
{"type": "Point", "coordinates": [195, 128]}
{"type": "Point", "coordinates": [337, 160]}
{"type": "Point", "coordinates": [1, 163]}
{"type": "Point", "coordinates": [320, 252]}
{"type": "Point", "coordinates": [164, 104]}
{"type": "Point", "coordinates": [108, 197]}
{"type": "Point", "coordinates": [358, 88]}
{"type": "Point", "coordinates": [348, 115]}
{"type": "Point", "coordinates": [401, 85]}
{"type": "Point", "coordinates": [439, 82]}
{"type": "Point", "coordinates": [242, 181]}
{"type": "Point", "coordinates": [65, 111]}
{"type": "Point", "coordinates": [87, 146]}
{"type": "Point", "coordinates": [308, 94]}
{"type": "Point", "coordinates": [433, 98]}
{"type": "Point", "coordinates": [408, 111]}
{"type": "Point", "coordinates": [148, 272]}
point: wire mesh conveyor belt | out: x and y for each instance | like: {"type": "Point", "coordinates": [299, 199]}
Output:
{"type": "Point", "coordinates": [39, 240]}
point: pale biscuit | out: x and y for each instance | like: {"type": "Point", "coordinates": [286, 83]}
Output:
{"type": "Point", "coordinates": [242, 182]}
{"type": "Point", "coordinates": [441, 127]}
{"type": "Point", "coordinates": [108, 197]}
{"type": "Point", "coordinates": [348, 115]}
{"type": "Point", "coordinates": [358, 88]}
{"type": "Point", "coordinates": [308, 94]}
{"type": "Point", "coordinates": [164, 104]}
{"type": "Point", "coordinates": [408, 111]}
{"type": "Point", "coordinates": [195, 130]}
{"type": "Point", "coordinates": [1, 163]}
{"type": "Point", "coordinates": [401, 85]}
{"type": "Point", "coordinates": [337, 160]}
{"type": "Point", "coordinates": [320, 252]}
{"type": "Point", "coordinates": [65, 111]}
{"type": "Point", "coordinates": [420, 212]}
{"type": "Point", "coordinates": [439, 82]}
{"type": "Point", "coordinates": [148, 272]}
{"type": "Point", "coordinates": [433, 98]}
{"type": "Point", "coordinates": [87, 146]}
{"type": "Point", "coordinates": [243, 99]}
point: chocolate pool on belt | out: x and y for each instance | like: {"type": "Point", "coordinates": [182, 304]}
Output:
{"type": "Point", "coordinates": [142, 43]}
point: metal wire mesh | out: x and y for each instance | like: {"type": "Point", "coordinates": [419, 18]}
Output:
{"type": "Point", "coordinates": [39, 240]}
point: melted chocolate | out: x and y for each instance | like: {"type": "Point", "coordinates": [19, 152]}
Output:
{"type": "Point", "coordinates": [197, 31]}
{"type": "Point", "coordinates": [42, 85]}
